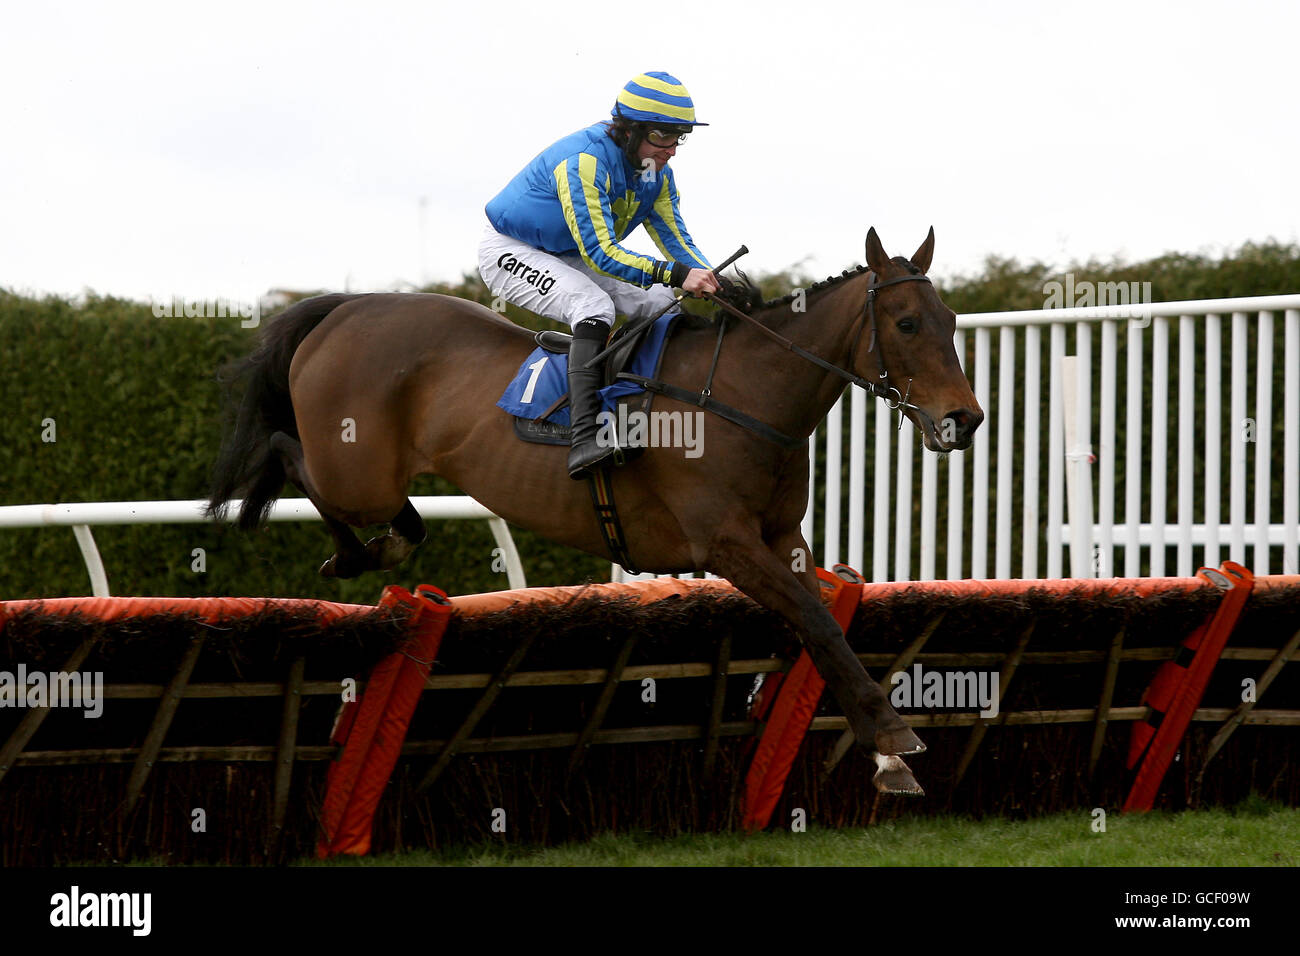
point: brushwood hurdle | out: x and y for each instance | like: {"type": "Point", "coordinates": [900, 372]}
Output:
{"type": "Point", "coordinates": [246, 730]}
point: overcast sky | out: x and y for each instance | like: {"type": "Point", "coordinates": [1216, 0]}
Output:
{"type": "Point", "coordinates": [225, 149]}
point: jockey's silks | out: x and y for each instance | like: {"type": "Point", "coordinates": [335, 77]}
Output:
{"type": "Point", "coordinates": [581, 194]}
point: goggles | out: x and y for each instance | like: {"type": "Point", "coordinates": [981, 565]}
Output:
{"type": "Point", "coordinates": [666, 138]}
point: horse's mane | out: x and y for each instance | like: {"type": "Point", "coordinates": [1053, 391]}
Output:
{"type": "Point", "coordinates": [816, 287]}
{"type": "Point", "coordinates": [746, 296]}
{"type": "Point", "coordinates": [742, 293]}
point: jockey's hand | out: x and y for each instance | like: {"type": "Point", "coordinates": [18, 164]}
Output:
{"type": "Point", "coordinates": [700, 280]}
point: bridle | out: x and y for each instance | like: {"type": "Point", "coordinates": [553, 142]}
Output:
{"type": "Point", "coordinates": [880, 388]}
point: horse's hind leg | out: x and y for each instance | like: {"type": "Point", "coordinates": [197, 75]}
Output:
{"type": "Point", "coordinates": [382, 553]}
{"type": "Point", "coordinates": [349, 558]}
{"type": "Point", "coordinates": [406, 531]}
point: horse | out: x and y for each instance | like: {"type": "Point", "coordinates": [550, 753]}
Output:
{"type": "Point", "coordinates": [350, 396]}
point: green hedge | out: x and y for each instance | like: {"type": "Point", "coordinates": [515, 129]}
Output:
{"type": "Point", "coordinates": [136, 415]}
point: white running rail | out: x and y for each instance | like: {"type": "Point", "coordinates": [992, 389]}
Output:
{"type": "Point", "coordinates": [1210, 444]}
{"type": "Point", "coordinates": [82, 515]}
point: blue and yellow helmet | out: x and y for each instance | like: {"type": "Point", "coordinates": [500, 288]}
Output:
{"type": "Point", "coordinates": [656, 98]}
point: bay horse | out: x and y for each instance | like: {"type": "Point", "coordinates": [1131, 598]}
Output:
{"type": "Point", "coordinates": [350, 396]}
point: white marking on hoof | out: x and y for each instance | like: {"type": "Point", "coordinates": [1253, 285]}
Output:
{"type": "Point", "coordinates": [888, 762]}
{"type": "Point", "coordinates": [894, 776]}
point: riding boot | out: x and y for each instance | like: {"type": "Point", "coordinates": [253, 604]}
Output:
{"type": "Point", "coordinates": [584, 453]}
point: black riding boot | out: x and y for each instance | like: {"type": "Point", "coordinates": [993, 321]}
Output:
{"type": "Point", "coordinates": [588, 339]}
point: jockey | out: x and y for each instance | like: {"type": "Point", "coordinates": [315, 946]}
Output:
{"type": "Point", "coordinates": [552, 241]}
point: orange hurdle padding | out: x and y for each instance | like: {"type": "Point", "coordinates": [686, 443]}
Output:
{"type": "Point", "coordinates": [1066, 587]}
{"type": "Point", "coordinates": [1184, 685]}
{"type": "Point", "coordinates": [372, 729]}
{"type": "Point", "coordinates": [1164, 686]}
{"type": "Point", "coordinates": [643, 592]}
{"type": "Point", "coordinates": [647, 592]}
{"type": "Point", "coordinates": [791, 716]}
{"type": "Point", "coordinates": [208, 608]}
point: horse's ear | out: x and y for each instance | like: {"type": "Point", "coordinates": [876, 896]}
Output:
{"type": "Point", "coordinates": [923, 256]}
{"type": "Point", "coordinates": [877, 258]}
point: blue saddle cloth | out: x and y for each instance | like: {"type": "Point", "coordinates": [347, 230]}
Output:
{"type": "Point", "coordinates": [544, 377]}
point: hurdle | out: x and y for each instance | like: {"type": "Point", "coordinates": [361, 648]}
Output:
{"type": "Point", "coordinates": [550, 714]}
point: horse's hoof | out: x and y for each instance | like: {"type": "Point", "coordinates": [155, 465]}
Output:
{"type": "Point", "coordinates": [385, 552]}
{"type": "Point", "coordinates": [335, 568]}
{"type": "Point", "coordinates": [893, 776]}
{"type": "Point", "coordinates": [899, 740]}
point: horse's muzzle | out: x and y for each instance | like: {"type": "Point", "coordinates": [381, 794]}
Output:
{"type": "Point", "coordinates": [957, 429]}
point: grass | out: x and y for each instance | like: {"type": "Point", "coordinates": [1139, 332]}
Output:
{"type": "Point", "coordinates": [1255, 833]}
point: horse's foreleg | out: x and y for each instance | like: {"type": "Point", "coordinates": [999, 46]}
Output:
{"type": "Point", "coordinates": [893, 735]}
{"type": "Point", "coordinates": [765, 575]}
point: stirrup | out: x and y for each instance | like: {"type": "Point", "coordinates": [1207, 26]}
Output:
{"type": "Point", "coordinates": [581, 465]}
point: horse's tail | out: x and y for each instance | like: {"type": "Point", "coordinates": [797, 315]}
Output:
{"type": "Point", "coordinates": [246, 464]}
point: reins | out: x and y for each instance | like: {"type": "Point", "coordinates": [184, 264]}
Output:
{"type": "Point", "coordinates": [881, 389]}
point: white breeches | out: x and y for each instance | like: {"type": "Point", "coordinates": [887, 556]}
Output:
{"type": "Point", "coordinates": [562, 288]}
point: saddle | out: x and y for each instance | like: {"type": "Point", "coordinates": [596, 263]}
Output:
{"type": "Point", "coordinates": [625, 357]}
{"type": "Point", "coordinates": [624, 345]}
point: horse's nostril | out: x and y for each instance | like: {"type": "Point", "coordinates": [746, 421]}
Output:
{"type": "Point", "coordinates": [959, 424]}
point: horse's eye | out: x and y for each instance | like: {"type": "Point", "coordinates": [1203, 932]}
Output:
{"type": "Point", "coordinates": [908, 326]}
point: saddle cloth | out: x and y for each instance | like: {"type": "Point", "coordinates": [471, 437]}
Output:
{"type": "Point", "coordinates": [544, 377]}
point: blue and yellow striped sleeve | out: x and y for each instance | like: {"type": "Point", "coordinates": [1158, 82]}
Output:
{"type": "Point", "coordinates": [667, 229]}
{"type": "Point", "coordinates": [583, 188]}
